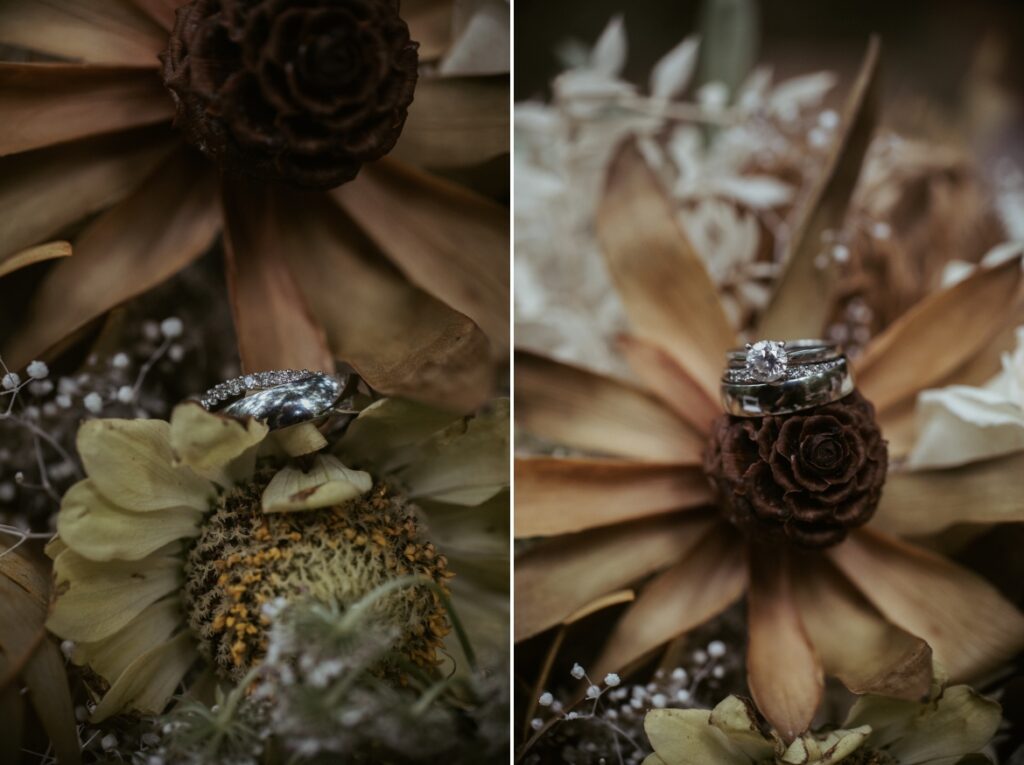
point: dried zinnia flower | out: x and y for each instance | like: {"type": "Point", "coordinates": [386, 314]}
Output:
{"type": "Point", "coordinates": [303, 93]}
{"type": "Point", "coordinates": [955, 721]}
{"type": "Point", "coordinates": [184, 531]}
{"type": "Point", "coordinates": [401, 273]}
{"type": "Point", "coordinates": [807, 477]}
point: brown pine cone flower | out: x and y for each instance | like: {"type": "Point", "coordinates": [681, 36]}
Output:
{"type": "Point", "coordinates": [304, 92]}
{"type": "Point", "coordinates": [806, 478]}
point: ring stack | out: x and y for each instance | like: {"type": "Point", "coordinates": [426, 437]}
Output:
{"type": "Point", "coordinates": [780, 377]}
{"type": "Point", "coordinates": [279, 398]}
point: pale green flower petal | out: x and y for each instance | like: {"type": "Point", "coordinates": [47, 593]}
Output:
{"type": "Point", "coordinates": [685, 737]}
{"type": "Point", "coordinates": [833, 748]}
{"type": "Point", "coordinates": [475, 539]}
{"type": "Point", "coordinates": [131, 463]}
{"type": "Point", "coordinates": [653, 759]}
{"type": "Point", "coordinates": [326, 483]}
{"type": "Point", "coordinates": [959, 722]}
{"type": "Point", "coordinates": [738, 720]}
{"type": "Point", "coordinates": [298, 440]}
{"type": "Point", "coordinates": [484, 612]}
{"type": "Point", "coordinates": [96, 599]}
{"type": "Point", "coordinates": [111, 656]}
{"type": "Point", "coordinates": [466, 464]}
{"type": "Point", "coordinates": [210, 443]}
{"type": "Point", "coordinates": [96, 528]}
{"type": "Point", "coordinates": [148, 683]}
{"type": "Point", "coordinates": [385, 434]}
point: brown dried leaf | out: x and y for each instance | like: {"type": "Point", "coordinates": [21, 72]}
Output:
{"type": "Point", "coordinates": [802, 299]}
{"type": "Point", "coordinates": [562, 496]}
{"type": "Point", "coordinates": [32, 255]}
{"type": "Point", "coordinates": [576, 407]}
{"type": "Point", "coordinates": [667, 292]}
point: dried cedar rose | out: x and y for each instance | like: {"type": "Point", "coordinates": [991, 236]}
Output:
{"type": "Point", "coordinates": [303, 91]}
{"type": "Point", "coordinates": [806, 478]}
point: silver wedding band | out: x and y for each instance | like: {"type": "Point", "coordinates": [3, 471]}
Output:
{"type": "Point", "coordinates": [279, 398]}
{"type": "Point", "coordinates": [820, 375]}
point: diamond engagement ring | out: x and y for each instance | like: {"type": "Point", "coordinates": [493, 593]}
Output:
{"type": "Point", "coordinates": [775, 377]}
{"type": "Point", "coordinates": [279, 398]}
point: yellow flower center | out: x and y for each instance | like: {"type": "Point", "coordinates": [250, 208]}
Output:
{"type": "Point", "coordinates": [245, 558]}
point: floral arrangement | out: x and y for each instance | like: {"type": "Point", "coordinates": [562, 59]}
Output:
{"type": "Point", "coordinates": [254, 446]}
{"type": "Point", "coordinates": [824, 552]}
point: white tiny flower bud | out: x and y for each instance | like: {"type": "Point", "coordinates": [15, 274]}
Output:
{"type": "Point", "coordinates": [11, 381]}
{"type": "Point", "coordinates": [612, 679]}
{"type": "Point", "coordinates": [881, 230]}
{"type": "Point", "coordinates": [32, 412]}
{"type": "Point", "coordinates": [683, 696]}
{"type": "Point", "coordinates": [108, 742]}
{"type": "Point", "coordinates": [93, 402]}
{"type": "Point", "coordinates": [37, 370]}
{"type": "Point", "coordinates": [120, 361]}
{"type": "Point", "coordinates": [67, 647]}
{"type": "Point", "coordinates": [151, 330]}
{"type": "Point", "coordinates": [572, 715]}
{"type": "Point", "coordinates": [176, 353]}
{"type": "Point", "coordinates": [700, 657]}
{"type": "Point", "coordinates": [593, 692]}
{"type": "Point", "coordinates": [7, 492]}
{"type": "Point", "coordinates": [716, 649]}
{"type": "Point", "coordinates": [63, 400]}
{"type": "Point", "coordinates": [577, 671]}
{"type": "Point", "coordinates": [171, 327]}
{"type": "Point", "coordinates": [718, 672]}
{"type": "Point", "coordinates": [829, 119]}
{"type": "Point", "coordinates": [125, 394]}
{"type": "Point", "coordinates": [659, 700]}
{"type": "Point", "coordinates": [545, 699]}
{"type": "Point", "coordinates": [40, 387]}
{"type": "Point", "coordinates": [81, 713]}
{"type": "Point", "coordinates": [679, 675]}
{"type": "Point", "coordinates": [536, 723]}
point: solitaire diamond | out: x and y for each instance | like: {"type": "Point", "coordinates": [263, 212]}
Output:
{"type": "Point", "coordinates": [767, 360]}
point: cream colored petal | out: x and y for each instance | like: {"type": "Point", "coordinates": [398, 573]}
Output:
{"type": "Point", "coordinates": [149, 682]}
{"type": "Point", "coordinates": [561, 496]}
{"type": "Point", "coordinates": [855, 642]}
{"type": "Point", "coordinates": [826, 750]}
{"type": "Point", "coordinates": [299, 440]}
{"type": "Point", "coordinates": [665, 287]}
{"type": "Point", "coordinates": [970, 627]}
{"type": "Point", "coordinates": [783, 671]}
{"type": "Point", "coordinates": [111, 656]}
{"type": "Point", "coordinates": [919, 502]}
{"type": "Point", "coordinates": [684, 737]}
{"type": "Point", "coordinates": [97, 529]}
{"type": "Point", "coordinates": [668, 380]}
{"type": "Point", "coordinates": [210, 443]}
{"type": "Point", "coordinates": [108, 32]}
{"type": "Point", "coordinates": [738, 719]}
{"type": "Point", "coordinates": [800, 305]}
{"type": "Point", "coordinates": [576, 407]}
{"type": "Point", "coordinates": [702, 585]}
{"type": "Point", "coordinates": [325, 484]}
{"type": "Point", "coordinates": [464, 464]}
{"type": "Point", "coordinates": [46, 104]}
{"type": "Point", "coordinates": [386, 433]}
{"type": "Point", "coordinates": [33, 255]}
{"type": "Point", "coordinates": [42, 192]}
{"type": "Point", "coordinates": [918, 351]}
{"type": "Point", "coordinates": [558, 577]}
{"type": "Point", "coordinates": [96, 599]}
{"type": "Point", "coordinates": [959, 722]}
{"type": "Point", "coordinates": [132, 464]}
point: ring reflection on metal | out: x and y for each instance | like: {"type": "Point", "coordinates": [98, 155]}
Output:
{"type": "Point", "coordinates": [804, 387]}
{"type": "Point", "coordinates": [280, 398]}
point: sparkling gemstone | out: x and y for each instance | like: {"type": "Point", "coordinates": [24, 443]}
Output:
{"type": "Point", "coordinates": [766, 360]}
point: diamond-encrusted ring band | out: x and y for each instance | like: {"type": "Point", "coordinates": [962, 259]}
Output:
{"type": "Point", "coordinates": [769, 384]}
{"type": "Point", "coordinates": [770, 358]}
{"type": "Point", "coordinates": [279, 398]}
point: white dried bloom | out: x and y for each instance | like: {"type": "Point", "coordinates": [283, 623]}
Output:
{"type": "Point", "coordinates": [93, 402]}
{"type": "Point", "coordinates": [612, 679]}
{"type": "Point", "coordinates": [125, 394]}
{"type": "Point", "coordinates": [37, 370]}
{"type": "Point", "coordinates": [593, 692]}
{"type": "Point", "coordinates": [10, 381]}
{"type": "Point", "coordinates": [171, 327]}
{"type": "Point", "coordinates": [545, 699]}
{"type": "Point", "coordinates": [577, 671]}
